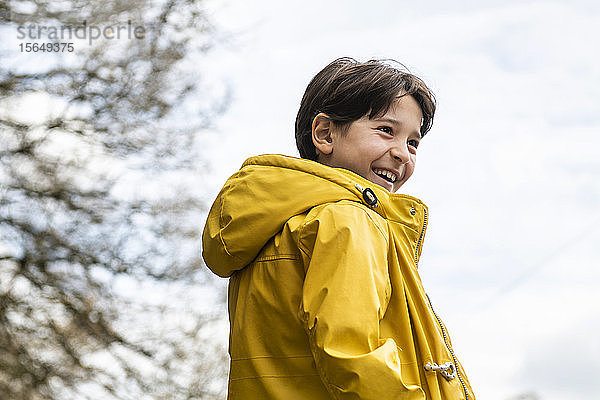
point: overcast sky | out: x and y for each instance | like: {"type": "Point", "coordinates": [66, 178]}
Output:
{"type": "Point", "coordinates": [510, 170]}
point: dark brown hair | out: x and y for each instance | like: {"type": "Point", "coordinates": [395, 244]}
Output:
{"type": "Point", "coordinates": [346, 90]}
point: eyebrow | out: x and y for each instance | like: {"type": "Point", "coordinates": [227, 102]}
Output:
{"type": "Point", "coordinates": [390, 120]}
{"type": "Point", "coordinates": [397, 123]}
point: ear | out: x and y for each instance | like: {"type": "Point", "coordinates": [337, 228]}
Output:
{"type": "Point", "coordinates": [322, 127]}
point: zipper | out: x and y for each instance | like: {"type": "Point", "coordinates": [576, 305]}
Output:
{"type": "Point", "coordinates": [443, 328]}
{"type": "Point", "coordinates": [444, 334]}
{"type": "Point", "coordinates": [420, 241]}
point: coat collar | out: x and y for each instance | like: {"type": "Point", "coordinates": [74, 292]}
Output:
{"type": "Point", "coordinates": [396, 207]}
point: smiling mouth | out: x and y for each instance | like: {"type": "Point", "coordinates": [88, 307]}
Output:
{"type": "Point", "coordinates": [388, 176]}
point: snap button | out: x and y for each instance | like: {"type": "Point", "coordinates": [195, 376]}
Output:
{"type": "Point", "coordinates": [413, 211]}
{"type": "Point", "coordinates": [369, 197]}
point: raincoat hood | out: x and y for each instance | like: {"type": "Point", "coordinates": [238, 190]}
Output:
{"type": "Point", "coordinates": [256, 202]}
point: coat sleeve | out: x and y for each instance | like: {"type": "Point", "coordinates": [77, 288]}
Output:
{"type": "Point", "coordinates": [344, 298]}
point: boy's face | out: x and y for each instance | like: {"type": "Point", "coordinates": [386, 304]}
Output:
{"type": "Point", "coordinates": [382, 150]}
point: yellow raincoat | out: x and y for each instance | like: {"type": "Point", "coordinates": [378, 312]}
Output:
{"type": "Point", "coordinates": [324, 296]}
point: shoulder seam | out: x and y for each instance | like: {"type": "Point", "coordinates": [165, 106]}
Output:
{"type": "Point", "coordinates": [366, 211]}
{"type": "Point", "coordinates": [342, 203]}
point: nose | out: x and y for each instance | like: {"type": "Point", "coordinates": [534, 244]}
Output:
{"type": "Point", "coordinates": [400, 152]}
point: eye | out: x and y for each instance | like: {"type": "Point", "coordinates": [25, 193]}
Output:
{"type": "Point", "coordinates": [413, 143]}
{"type": "Point", "coordinates": [386, 129]}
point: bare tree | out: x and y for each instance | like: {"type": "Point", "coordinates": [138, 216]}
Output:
{"type": "Point", "coordinates": [101, 294]}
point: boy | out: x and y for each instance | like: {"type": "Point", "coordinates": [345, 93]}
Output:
{"type": "Point", "coordinates": [325, 301]}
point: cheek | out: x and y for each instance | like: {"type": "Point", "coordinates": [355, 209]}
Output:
{"type": "Point", "coordinates": [411, 164]}
{"type": "Point", "coordinates": [409, 168]}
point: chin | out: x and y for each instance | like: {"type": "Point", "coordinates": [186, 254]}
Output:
{"type": "Point", "coordinates": [389, 186]}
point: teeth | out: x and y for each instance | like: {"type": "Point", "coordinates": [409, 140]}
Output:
{"type": "Point", "coordinates": [391, 176]}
